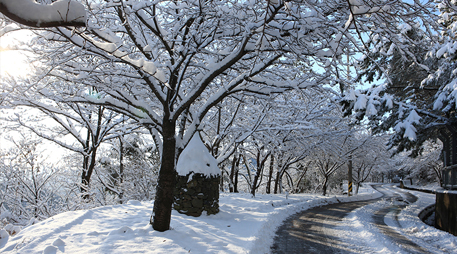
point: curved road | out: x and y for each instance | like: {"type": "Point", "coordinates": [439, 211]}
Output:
{"type": "Point", "coordinates": [312, 231]}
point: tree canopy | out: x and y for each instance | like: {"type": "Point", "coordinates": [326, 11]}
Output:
{"type": "Point", "coordinates": [166, 65]}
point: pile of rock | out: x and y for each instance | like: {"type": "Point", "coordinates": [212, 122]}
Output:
{"type": "Point", "coordinates": [195, 193]}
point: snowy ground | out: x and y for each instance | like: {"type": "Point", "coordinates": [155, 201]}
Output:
{"type": "Point", "coordinates": [244, 225]}
{"type": "Point", "coordinates": [423, 234]}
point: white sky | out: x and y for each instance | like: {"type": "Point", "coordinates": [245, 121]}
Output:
{"type": "Point", "coordinates": [13, 62]}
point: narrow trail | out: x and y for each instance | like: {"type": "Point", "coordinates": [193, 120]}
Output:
{"type": "Point", "coordinates": [312, 231]}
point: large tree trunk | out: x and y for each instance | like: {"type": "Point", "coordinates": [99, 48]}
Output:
{"type": "Point", "coordinates": [84, 181]}
{"type": "Point", "coordinates": [234, 174]}
{"type": "Point", "coordinates": [89, 166]}
{"type": "Point", "coordinates": [257, 174]}
{"type": "Point", "coordinates": [254, 182]}
{"type": "Point", "coordinates": [161, 213]}
{"type": "Point", "coordinates": [87, 173]}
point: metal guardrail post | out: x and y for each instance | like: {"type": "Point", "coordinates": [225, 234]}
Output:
{"type": "Point", "coordinates": [453, 178]}
{"type": "Point", "coordinates": [450, 177]}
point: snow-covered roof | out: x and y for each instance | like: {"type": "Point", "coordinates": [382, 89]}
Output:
{"type": "Point", "coordinates": [196, 158]}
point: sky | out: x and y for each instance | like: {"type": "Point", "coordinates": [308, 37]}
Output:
{"type": "Point", "coordinates": [13, 62]}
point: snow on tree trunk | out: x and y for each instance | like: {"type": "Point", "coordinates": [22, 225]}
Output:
{"type": "Point", "coordinates": [198, 179]}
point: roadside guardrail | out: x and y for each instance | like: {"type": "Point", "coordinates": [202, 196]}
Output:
{"type": "Point", "coordinates": [450, 177]}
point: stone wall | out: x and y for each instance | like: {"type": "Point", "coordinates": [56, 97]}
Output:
{"type": "Point", "coordinates": [446, 211]}
{"type": "Point", "coordinates": [199, 194]}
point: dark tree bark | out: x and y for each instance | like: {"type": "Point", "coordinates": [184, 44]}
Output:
{"type": "Point", "coordinates": [270, 174]}
{"type": "Point", "coordinates": [91, 153]}
{"type": "Point", "coordinates": [260, 166]}
{"type": "Point", "coordinates": [87, 173]}
{"type": "Point", "coordinates": [232, 174]}
{"type": "Point", "coordinates": [235, 184]}
{"type": "Point", "coordinates": [161, 213]}
{"type": "Point", "coordinates": [324, 187]}
{"type": "Point", "coordinates": [278, 175]}
{"type": "Point", "coordinates": [121, 168]}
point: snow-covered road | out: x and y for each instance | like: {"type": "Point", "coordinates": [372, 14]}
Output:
{"type": "Point", "coordinates": [373, 226]}
{"type": "Point", "coordinates": [392, 225]}
{"type": "Point", "coordinates": [313, 230]}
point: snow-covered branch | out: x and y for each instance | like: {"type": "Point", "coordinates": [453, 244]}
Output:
{"type": "Point", "coordinates": [30, 13]}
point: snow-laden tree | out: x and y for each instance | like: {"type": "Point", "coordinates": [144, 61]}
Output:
{"type": "Point", "coordinates": [339, 142]}
{"type": "Point", "coordinates": [426, 168]}
{"type": "Point", "coordinates": [402, 103]}
{"type": "Point", "coordinates": [297, 123]}
{"type": "Point", "coordinates": [81, 129]}
{"type": "Point", "coordinates": [330, 157]}
{"type": "Point", "coordinates": [129, 168]}
{"type": "Point", "coordinates": [293, 124]}
{"type": "Point", "coordinates": [165, 64]}
{"type": "Point", "coordinates": [370, 155]}
{"type": "Point", "coordinates": [230, 123]}
{"type": "Point", "coordinates": [415, 98]}
{"type": "Point", "coordinates": [28, 185]}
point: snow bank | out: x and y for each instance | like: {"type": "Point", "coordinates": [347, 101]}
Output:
{"type": "Point", "coordinates": [430, 237]}
{"type": "Point", "coordinates": [3, 237]}
{"type": "Point", "coordinates": [244, 224]}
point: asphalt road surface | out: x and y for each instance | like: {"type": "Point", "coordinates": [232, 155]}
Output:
{"type": "Point", "coordinates": [312, 231]}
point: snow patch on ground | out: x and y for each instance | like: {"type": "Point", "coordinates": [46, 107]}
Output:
{"type": "Point", "coordinates": [244, 224]}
